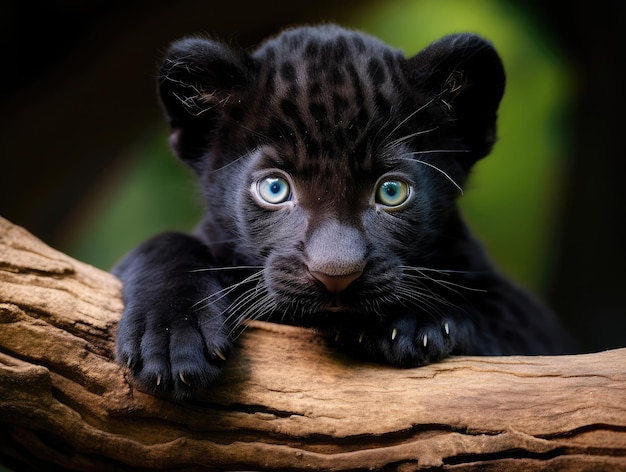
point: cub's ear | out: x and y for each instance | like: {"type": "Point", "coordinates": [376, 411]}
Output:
{"type": "Point", "coordinates": [197, 79]}
{"type": "Point", "coordinates": [464, 74]}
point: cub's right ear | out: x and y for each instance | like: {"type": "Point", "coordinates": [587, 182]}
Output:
{"type": "Point", "coordinates": [196, 81]}
{"type": "Point", "coordinates": [465, 77]}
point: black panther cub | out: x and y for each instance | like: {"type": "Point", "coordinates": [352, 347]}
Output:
{"type": "Point", "coordinates": [330, 165]}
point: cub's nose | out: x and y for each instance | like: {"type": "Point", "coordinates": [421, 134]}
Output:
{"type": "Point", "coordinates": [335, 255]}
{"type": "Point", "coordinates": [336, 283]}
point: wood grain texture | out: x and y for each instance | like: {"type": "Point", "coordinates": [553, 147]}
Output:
{"type": "Point", "coordinates": [285, 402]}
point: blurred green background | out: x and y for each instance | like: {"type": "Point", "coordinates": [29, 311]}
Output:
{"type": "Point", "coordinates": [511, 199]}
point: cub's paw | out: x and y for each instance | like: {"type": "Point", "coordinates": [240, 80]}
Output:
{"type": "Point", "coordinates": [407, 341]}
{"type": "Point", "coordinates": [175, 355]}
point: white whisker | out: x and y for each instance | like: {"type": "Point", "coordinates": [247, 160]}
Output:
{"type": "Point", "coordinates": [214, 297]}
{"type": "Point", "coordinates": [438, 151]}
{"type": "Point", "coordinates": [444, 283]}
{"type": "Point", "coordinates": [395, 143]}
{"type": "Point", "coordinates": [411, 115]}
{"type": "Point", "coordinates": [432, 166]}
{"type": "Point", "coordinates": [417, 288]}
{"type": "Point", "coordinates": [225, 166]}
{"type": "Point", "coordinates": [425, 303]}
{"type": "Point", "coordinates": [443, 173]}
{"type": "Point", "coordinates": [219, 269]}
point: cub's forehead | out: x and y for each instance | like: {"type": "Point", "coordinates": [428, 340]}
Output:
{"type": "Point", "coordinates": [327, 86]}
{"type": "Point", "coordinates": [323, 46]}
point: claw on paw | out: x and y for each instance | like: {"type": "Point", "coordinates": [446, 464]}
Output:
{"type": "Point", "coordinates": [183, 379]}
{"type": "Point", "coordinates": [219, 354]}
{"type": "Point", "coordinates": [394, 333]}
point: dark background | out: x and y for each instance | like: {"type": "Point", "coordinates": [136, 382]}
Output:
{"type": "Point", "coordinates": [73, 99]}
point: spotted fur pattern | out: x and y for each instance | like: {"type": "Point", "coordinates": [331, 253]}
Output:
{"type": "Point", "coordinates": [330, 165]}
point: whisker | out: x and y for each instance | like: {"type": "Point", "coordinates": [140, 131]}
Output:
{"type": "Point", "coordinates": [214, 297]}
{"type": "Point", "coordinates": [440, 271]}
{"type": "Point", "coordinates": [210, 269]}
{"type": "Point", "coordinates": [427, 295]}
{"type": "Point", "coordinates": [443, 173]}
{"type": "Point", "coordinates": [254, 298]}
{"type": "Point", "coordinates": [225, 166]}
{"type": "Point", "coordinates": [421, 301]}
{"type": "Point", "coordinates": [240, 326]}
{"type": "Point", "coordinates": [438, 151]}
{"type": "Point", "coordinates": [258, 309]}
{"type": "Point", "coordinates": [254, 132]}
{"type": "Point", "coordinates": [432, 166]}
{"type": "Point", "coordinates": [264, 138]}
{"type": "Point", "coordinates": [398, 141]}
{"type": "Point", "coordinates": [447, 283]}
{"type": "Point", "coordinates": [410, 116]}
{"type": "Point", "coordinates": [420, 277]}
{"type": "Point", "coordinates": [250, 295]}
{"type": "Point", "coordinates": [422, 273]}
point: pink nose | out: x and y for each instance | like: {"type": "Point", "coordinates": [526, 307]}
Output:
{"type": "Point", "coordinates": [336, 283]}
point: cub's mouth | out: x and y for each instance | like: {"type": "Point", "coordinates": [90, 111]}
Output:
{"type": "Point", "coordinates": [335, 305]}
{"type": "Point", "coordinates": [335, 308]}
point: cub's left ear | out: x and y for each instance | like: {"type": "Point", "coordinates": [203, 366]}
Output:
{"type": "Point", "coordinates": [464, 74]}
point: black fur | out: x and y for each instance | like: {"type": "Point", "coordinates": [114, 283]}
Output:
{"type": "Point", "coordinates": [301, 149]}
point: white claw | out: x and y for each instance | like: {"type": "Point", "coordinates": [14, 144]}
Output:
{"type": "Point", "coordinates": [425, 340]}
{"type": "Point", "coordinates": [218, 352]}
{"type": "Point", "coordinates": [183, 379]}
{"type": "Point", "coordinates": [361, 336]}
{"type": "Point", "coordinates": [446, 328]}
{"type": "Point", "coordinates": [129, 362]}
{"type": "Point", "coordinates": [337, 336]}
{"type": "Point", "coordinates": [394, 333]}
{"type": "Point", "coordinates": [158, 380]}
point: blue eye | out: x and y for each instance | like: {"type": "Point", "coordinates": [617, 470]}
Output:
{"type": "Point", "coordinates": [274, 190]}
{"type": "Point", "coordinates": [392, 193]}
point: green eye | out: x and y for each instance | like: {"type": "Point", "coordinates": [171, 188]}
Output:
{"type": "Point", "coordinates": [392, 193]}
{"type": "Point", "coordinates": [274, 190]}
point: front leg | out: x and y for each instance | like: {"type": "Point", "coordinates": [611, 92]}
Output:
{"type": "Point", "coordinates": [172, 336]}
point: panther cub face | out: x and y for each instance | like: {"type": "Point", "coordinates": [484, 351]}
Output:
{"type": "Point", "coordinates": [333, 162]}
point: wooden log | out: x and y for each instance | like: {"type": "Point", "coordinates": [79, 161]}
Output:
{"type": "Point", "coordinates": [286, 401]}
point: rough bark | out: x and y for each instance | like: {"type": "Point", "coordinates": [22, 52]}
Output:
{"type": "Point", "coordinates": [285, 402]}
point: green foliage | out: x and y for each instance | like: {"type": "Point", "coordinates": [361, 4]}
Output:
{"type": "Point", "coordinates": [156, 193]}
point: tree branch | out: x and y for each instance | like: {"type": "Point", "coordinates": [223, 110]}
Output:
{"type": "Point", "coordinates": [286, 401]}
